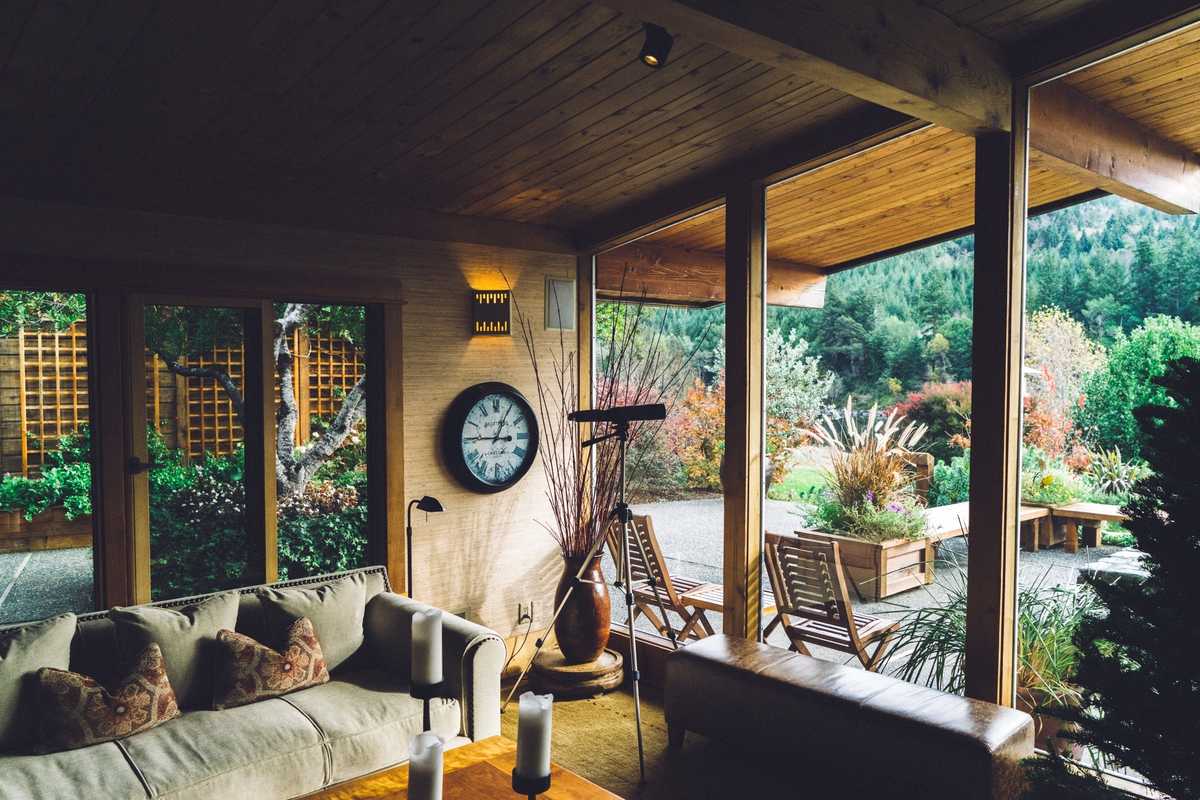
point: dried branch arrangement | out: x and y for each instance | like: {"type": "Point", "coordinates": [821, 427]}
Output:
{"type": "Point", "coordinates": [634, 366]}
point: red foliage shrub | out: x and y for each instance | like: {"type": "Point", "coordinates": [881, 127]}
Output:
{"type": "Point", "coordinates": [946, 409]}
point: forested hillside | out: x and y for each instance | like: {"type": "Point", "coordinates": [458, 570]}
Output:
{"type": "Point", "coordinates": [1109, 263]}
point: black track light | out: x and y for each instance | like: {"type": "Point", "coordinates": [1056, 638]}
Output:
{"type": "Point", "coordinates": [657, 47]}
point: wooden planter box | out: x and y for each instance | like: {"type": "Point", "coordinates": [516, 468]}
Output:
{"type": "Point", "coordinates": [50, 530]}
{"type": "Point", "coordinates": [882, 569]}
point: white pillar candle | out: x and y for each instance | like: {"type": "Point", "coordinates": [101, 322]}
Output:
{"type": "Point", "coordinates": [535, 714]}
{"type": "Point", "coordinates": [427, 647]}
{"type": "Point", "coordinates": [425, 768]}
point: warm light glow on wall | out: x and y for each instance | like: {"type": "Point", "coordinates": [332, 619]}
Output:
{"type": "Point", "coordinates": [491, 313]}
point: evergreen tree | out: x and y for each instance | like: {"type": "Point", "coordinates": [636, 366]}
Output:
{"type": "Point", "coordinates": [1137, 667]}
{"type": "Point", "coordinates": [935, 303]}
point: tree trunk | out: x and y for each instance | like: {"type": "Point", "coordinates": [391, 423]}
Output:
{"type": "Point", "coordinates": [294, 467]}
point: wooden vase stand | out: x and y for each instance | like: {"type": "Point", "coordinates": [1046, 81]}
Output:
{"type": "Point", "coordinates": [552, 673]}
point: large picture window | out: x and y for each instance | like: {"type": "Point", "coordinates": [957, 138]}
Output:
{"type": "Point", "coordinates": [46, 560]}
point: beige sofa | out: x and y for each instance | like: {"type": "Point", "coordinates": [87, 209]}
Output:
{"type": "Point", "coordinates": [361, 721]}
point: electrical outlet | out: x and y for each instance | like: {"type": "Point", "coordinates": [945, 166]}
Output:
{"type": "Point", "coordinates": [524, 612]}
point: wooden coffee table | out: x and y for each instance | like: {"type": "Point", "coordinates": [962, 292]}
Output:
{"type": "Point", "coordinates": [477, 771]}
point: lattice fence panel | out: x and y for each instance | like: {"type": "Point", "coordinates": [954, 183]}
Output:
{"type": "Point", "coordinates": [334, 366]}
{"type": "Point", "coordinates": [44, 394]}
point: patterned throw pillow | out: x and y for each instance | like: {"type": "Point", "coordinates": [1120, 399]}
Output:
{"type": "Point", "coordinates": [254, 672]}
{"type": "Point", "coordinates": [76, 711]}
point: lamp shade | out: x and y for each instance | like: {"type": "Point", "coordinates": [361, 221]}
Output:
{"type": "Point", "coordinates": [429, 504]}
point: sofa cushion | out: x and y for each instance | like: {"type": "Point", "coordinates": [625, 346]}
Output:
{"type": "Point", "coordinates": [76, 711]}
{"type": "Point", "coordinates": [23, 651]}
{"type": "Point", "coordinates": [97, 771]}
{"type": "Point", "coordinates": [264, 750]}
{"type": "Point", "coordinates": [188, 640]}
{"type": "Point", "coordinates": [370, 720]}
{"type": "Point", "coordinates": [336, 610]}
{"type": "Point", "coordinates": [250, 671]}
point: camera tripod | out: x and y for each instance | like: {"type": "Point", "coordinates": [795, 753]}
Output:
{"type": "Point", "coordinates": [624, 582]}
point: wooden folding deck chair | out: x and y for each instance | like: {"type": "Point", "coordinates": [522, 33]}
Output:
{"type": "Point", "coordinates": [687, 597]}
{"type": "Point", "coordinates": [810, 592]}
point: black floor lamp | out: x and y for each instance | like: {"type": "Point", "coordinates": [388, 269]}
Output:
{"type": "Point", "coordinates": [428, 505]}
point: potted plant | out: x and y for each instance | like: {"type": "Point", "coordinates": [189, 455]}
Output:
{"type": "Point", "coordinates": [930, 648]}
{"type": "Point", "coordinates": [868, 505]}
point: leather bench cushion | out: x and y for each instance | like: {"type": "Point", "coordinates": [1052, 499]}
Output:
{"type": "Point", "coordinates": [791, 702]}
{"type": "Point", "coordinates": [369, 720]}
{"type": "Point", "coordinates": [97, 771]}
{"type": "Point", "coordinates": [266, 749]}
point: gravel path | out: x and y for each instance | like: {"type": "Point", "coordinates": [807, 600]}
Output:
{"type": "Point", "coordinates": [42, 583]}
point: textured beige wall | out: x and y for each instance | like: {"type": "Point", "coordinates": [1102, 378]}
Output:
{"type": "Point", "coordinates": [487, 552]}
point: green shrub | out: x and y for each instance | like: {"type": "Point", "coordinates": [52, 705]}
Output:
{"type": "Point", "coordinates": [901, 518]}
{"type": "Point", "coordinates": [951, 482]}
{"type": "Point", "coordinates": [65, 479]}
{"type": "Point", "coordinates": [1046, 481]}
{"type": "Point", "coordinates": [1127, 382]}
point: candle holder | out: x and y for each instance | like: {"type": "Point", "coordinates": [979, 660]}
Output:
{"type": "Point", "coordinates": [426, 692]}
{"type": "Point", "coordinates": [530, 787]}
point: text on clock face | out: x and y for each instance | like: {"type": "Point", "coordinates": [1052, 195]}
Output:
{"type": "Point", "coordinates": [495, 438]}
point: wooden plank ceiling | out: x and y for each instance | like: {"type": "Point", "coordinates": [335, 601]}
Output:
{"type": "Point", "coordinates": [1009, 21]}
{"type": "Point", "coordinates": [525, 110]}
{"type": "Point", "coordinates": [528, 111]}
{"type": "Point", "coordinates": [910, 189]}
{"type": "Point", "coordinates": [921, 186]}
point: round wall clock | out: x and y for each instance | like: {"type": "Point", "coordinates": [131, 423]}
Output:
{"type": "Point", "coordinates": [490, 437]}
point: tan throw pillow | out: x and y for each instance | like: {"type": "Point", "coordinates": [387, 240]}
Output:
{"type": "Point", "coordinates": [336, 610]}
{"type": "Point", "coordinates": [24, 650]}
{"type": "Point", "coordinates": [76, 711]}
{"type": "Point", "coordinates": [253, 671]}
{"type": "Point", "coordinates": [188, 640]}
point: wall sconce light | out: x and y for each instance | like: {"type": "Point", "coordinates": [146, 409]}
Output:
{"type": "Point", "coordinates": [491, 313]}
{"type": "Point", "coordinates": [657, 47]}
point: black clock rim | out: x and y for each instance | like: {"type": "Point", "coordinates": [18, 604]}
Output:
{"type": "Point", "coordinates": [452, 435]}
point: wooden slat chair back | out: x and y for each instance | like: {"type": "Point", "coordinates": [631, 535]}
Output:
{"type": "Point", "coordinates": [644, 568]}
{"type": "Point", "coordinates": [686, 597]}
{"type": "Point", "coordinates": [809, 584]}
{"type": "Point", "coordinates": [921, 465]}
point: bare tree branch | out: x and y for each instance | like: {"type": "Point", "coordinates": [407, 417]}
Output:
{"type": "Point", "coordinates": [215, 374]}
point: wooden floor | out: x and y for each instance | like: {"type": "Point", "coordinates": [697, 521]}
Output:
{"type": "Point", "coordinates": [596, 738]}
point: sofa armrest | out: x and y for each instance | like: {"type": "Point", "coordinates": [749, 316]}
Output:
{"type": "Point", "coordinates": [472, 657]}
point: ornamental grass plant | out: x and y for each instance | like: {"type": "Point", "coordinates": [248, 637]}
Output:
{"type": "Point", "coordinates": [869, 492]}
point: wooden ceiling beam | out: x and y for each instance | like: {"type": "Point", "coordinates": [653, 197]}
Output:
{"type": "Point", "coordinates": [899, 54]}
{"type": "Point", "coordinates": [696, 277]}
{"type": "Point", "coordinates": [1109, 150]}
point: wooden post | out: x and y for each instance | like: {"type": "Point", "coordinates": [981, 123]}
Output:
{"type": "Point", "coordinates": [183, 441]}
{"type": "Point", "coordinates": [1001, 161]}
{"type": "Point", "coordinates": [258, 375]}
{"type": "Point", "coordinates": [385, 442]}
{"type": "Point", "coordinates": [130, 350]}
{"type": "Point", "coordinates": [22, 423]}
{"type": "Point", "coordinates": [745, 289]}
{"type": "Point", "coordinates": [112, 553]}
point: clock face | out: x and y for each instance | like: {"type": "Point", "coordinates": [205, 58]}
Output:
{"type": "Point", "coordinates": [495, 438]}
{"type": "Point", "coordinates": [490, 437]}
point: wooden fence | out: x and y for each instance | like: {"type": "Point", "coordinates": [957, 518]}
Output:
{"type": "Point", "coordinates": [44, 394]}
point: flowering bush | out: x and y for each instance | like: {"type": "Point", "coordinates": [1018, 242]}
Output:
{"type": "Point", "coordinates": [696, 434]}
{"type": "Point", "coordinates": [945, 409]}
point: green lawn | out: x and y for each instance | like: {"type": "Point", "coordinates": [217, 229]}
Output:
{"type": "Point", "coordinates": [796, 483]}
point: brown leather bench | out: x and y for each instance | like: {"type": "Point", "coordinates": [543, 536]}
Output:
{"type": "Point", "coordinates": [845, 723]}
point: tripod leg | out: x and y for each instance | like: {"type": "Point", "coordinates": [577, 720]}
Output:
{"type": "Point", "coordinates": [626, 567]}
{"type": "Point", "coordinates": [558, 611]}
